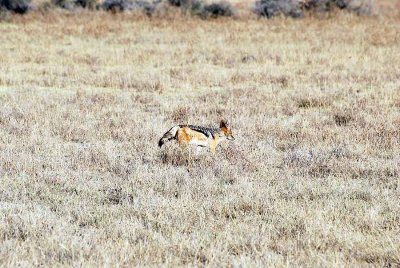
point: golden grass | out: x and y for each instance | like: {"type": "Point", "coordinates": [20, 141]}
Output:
{"type": "Point", "coordinates": [312, 178]}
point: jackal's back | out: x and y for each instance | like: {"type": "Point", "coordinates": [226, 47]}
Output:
{"type": "Point", "coordinates": [207, 131]}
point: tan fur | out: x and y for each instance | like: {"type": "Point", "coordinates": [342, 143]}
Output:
{"type": "Point", "coordinates": [185, 135]}
{"type": "Point", "coordinates": [214, 144]}
{"type": "Point", "coordinates": [199, 136]}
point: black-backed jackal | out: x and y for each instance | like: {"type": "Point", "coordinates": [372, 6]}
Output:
{"type": "Point", "coordinates": [197, 135]}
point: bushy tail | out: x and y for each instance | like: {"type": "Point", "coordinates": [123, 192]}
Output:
{"type": "Point", "coordinates": [169, 135]}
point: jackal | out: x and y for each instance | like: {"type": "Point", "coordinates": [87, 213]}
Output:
{"type": "Point", "coordinates": [197, 135]}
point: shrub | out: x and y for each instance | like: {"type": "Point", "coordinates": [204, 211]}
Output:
{"type": "Point", "coordinates": [218, 9]}
{"type": "Point", "coordinates": [128, 5]}
{"type": "Point", "coordinates": [271, 8]}
{"type": "Point", "coordinates": [115, 5]}
{"type": "Point", "coordinates": [66, 4]}
{"type": "Point", "coordinates": [359, 7]}
{"type": "Point", "coordinates": [4, 14]}
{"type": "Point", "coordinates": [91, 4]}
{"type": "Point", "coordinates": [109, 5]}
{"type": "Point", "coordinates": [45, 7]}
{"type": "Point", "coordinates": [296, 8]}
{"type": "Point", "coordinates": [178, 3]}
{"type": "Point", "coordinates": [17, 6]}
{"type": "Point", "coordinates": [73, 4]}
{"type": "Point", "coordinates": [197, 7]}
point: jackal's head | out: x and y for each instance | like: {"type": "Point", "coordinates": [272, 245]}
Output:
{"type": "Point", "coordinates": [226, 130]}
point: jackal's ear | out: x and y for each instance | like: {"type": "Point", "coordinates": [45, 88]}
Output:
{"type": "Point", "coordinates": [223, 124]}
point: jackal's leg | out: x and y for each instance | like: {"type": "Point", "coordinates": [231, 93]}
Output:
{"type": "Point", "coordinates": [213, 146]}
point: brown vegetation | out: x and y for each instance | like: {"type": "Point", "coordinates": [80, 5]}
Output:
{"type": "Point", "coordinates": [312, 178]}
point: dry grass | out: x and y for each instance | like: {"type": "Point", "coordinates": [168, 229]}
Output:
{"type": "Point", "coordinates": [312, 178]}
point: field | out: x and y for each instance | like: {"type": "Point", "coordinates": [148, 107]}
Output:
{"type": "Point", "coordinates": [312, 179]}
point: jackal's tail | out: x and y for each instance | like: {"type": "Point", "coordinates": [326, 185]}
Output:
{"type": "Point", "coordinates": [169, 135]}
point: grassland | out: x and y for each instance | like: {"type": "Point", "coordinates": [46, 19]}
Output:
{"type": "Point", "coordinates": [312, 178]}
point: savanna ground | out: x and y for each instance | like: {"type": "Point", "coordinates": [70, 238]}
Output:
{"type": "Point", "coordinates": [312, 178]}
